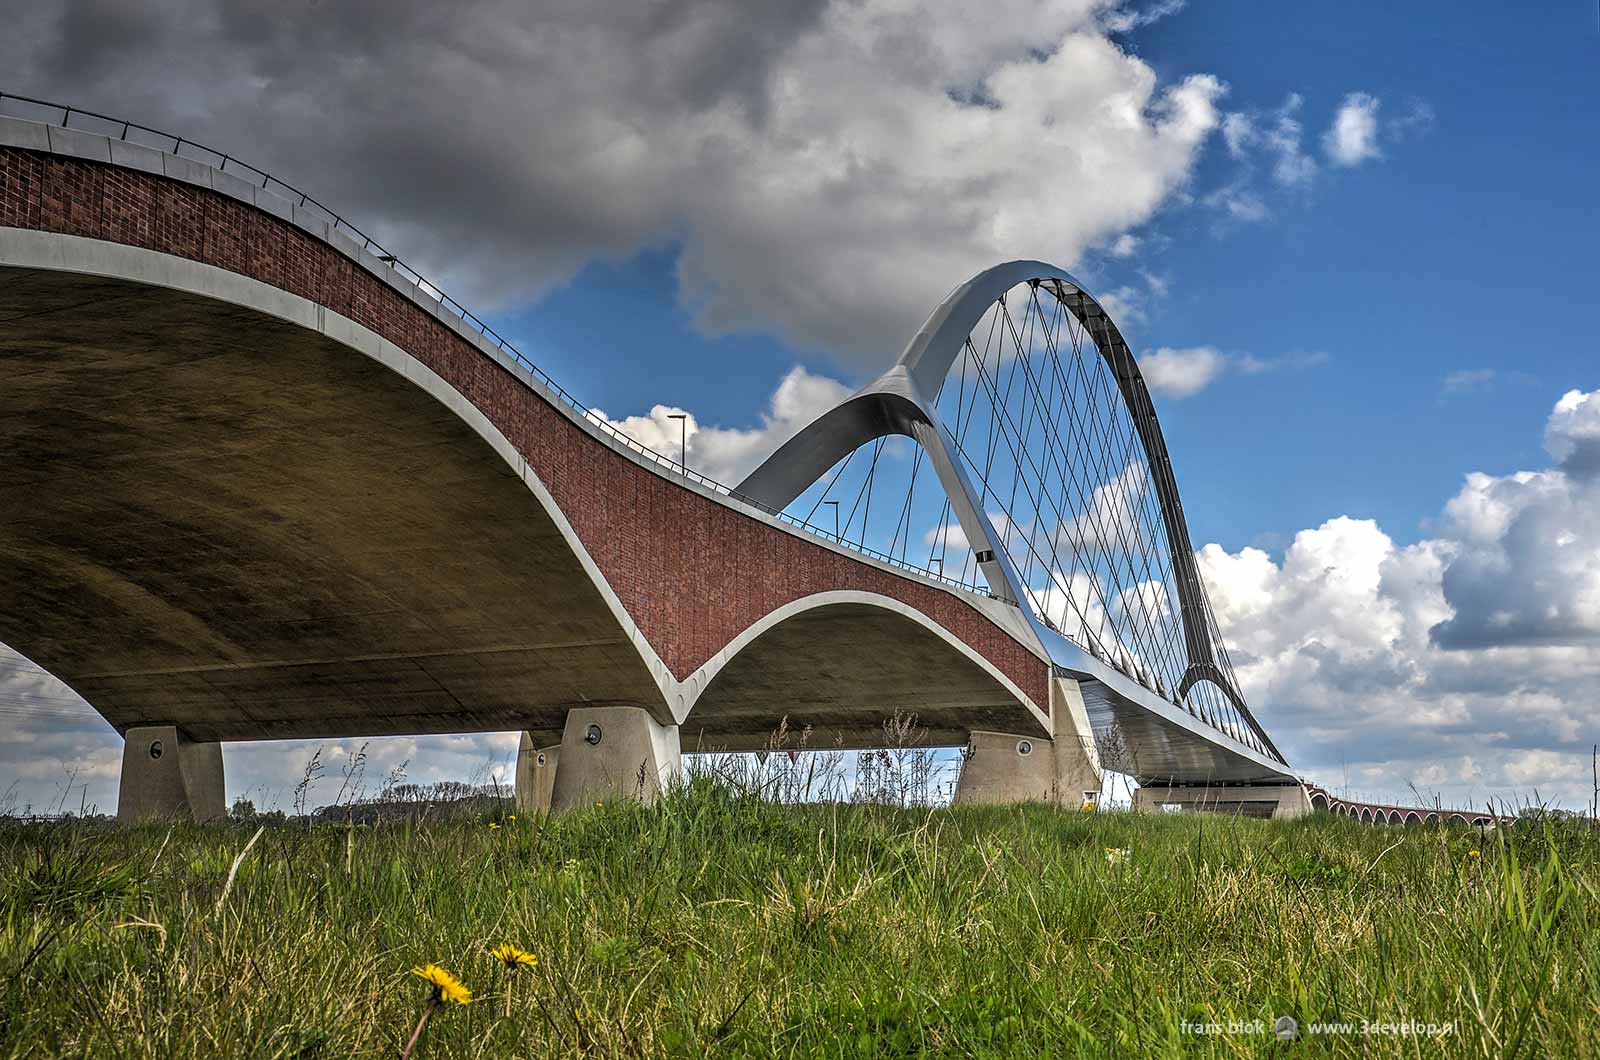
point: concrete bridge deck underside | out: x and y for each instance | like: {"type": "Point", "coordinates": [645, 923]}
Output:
{"type": "Point", "coordinates": [240, 525]}
{"type": "Point", "coordinates": [231, 521]}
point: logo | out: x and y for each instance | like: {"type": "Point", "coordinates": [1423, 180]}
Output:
{"type": "Point", "coordinates": [1285, 1028]}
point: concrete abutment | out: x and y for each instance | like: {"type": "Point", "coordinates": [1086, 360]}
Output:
{"type": "Point", "coordinates": [166, 775]}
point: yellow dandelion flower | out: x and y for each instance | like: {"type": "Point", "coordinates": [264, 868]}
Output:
{"type": "Point", "coordinates": [513, 958]}
{"type": "Point", "coordinates": [446, 987]}
{"type": "Point", "coordinates": [513, 817]}
{"type": "Point", "coordinates": [1473, 854]}
{"type": "Point", "coordinates": [493, 826]}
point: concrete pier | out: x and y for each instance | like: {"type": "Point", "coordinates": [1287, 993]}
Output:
{"type": "Point", "coordinates": [536, 774]}
{"type": "Point", "coordinates": [1008, 768]}
{"type": "Point", "coordinates": [165, 775]}
{"type": "Point", "coordinates": [614, 752]}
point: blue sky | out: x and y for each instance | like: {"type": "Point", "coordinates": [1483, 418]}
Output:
{"type": "Point", "coordinates": [1353, 244]}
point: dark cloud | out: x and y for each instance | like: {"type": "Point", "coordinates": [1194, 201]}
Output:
{"type": "Point", "coordinates": [807, 154]}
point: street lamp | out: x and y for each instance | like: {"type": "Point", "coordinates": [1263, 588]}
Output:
{"type": "Point", "coordinates": [683, 420]}
{"type": "Point", "coordinates": [835, 518]}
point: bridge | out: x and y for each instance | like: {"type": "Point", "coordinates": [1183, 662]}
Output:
{"type": "Point", "coordinates": [1373, 813]}
{"type": "Point", "coordinates": [263, 480]}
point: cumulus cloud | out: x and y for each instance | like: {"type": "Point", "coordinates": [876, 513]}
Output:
{"type": "Point", "coordinates": [1353, 136]}
{"type": "Point", "coordinates": [1458, 663]}
{"type": "Point", "coordinates": [1181, 373]}
{"type": "Point", "coordinates": [828, 168]}
{"type": "Point", "coordinates": [728, 454]}
{"type": "Point", "coordinates": [1572, 436]}
{"type": "Point", "coordinates": [1527, 567]}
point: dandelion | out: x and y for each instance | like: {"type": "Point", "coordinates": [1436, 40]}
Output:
{"type": "Point", "coordinates": [513, 817]}
{"type": "Point", "coordinates": [446, 989]}
{"type": "Point", "coordinates": [1088, 806]}
{"type": "Point", "coordinates": [1117, 855]}
{"type": "Point", "coordinates": [512, 960]}
{"type": "Point", "coordinates": [493, 825]}
{"type": "Point", "coordinates": [1474, 854]}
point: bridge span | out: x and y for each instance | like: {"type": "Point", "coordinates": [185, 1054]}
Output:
{"type": "Point", "coordinates": [1373, 813]}
{"type": "Point", "coordinates": [263, 481]}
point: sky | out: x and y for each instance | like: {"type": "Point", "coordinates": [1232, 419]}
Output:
{"type": "Point", "coordinates": [1353, 249]}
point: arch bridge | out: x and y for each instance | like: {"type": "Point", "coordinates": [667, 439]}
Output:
{"type": "Point", "coordinates": [1373, 813]}
{"type": "Point", "coordinates": [263, 480]}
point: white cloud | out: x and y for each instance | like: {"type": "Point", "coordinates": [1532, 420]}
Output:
{"type": "Point", "coordinates": [1184, 372]}
{"type": "Point", "coordinates": [1122, 18]}
{"type": "Point", "coordinates": [1237, 202]}
{"type": "Point", "coordinates": [1279, 133]}
{"type": "Point", "coordinates": [1467, 379]}
{"type": "Point", "coordinates": [1113, 511]}
{"type": "Point", "coordinates": [1250, 364]}
{"type": "Point", "coordinates": [954, 537]}
{"type": "Point", "coordinates": [1353, 136]}
{"type": "Point", "coordinates": [728, 454]}
{"type": "Point", "coordinates": [1459, 663]}
{"type": "Point", "coordinates": [1180, 373]}
{"type": "Point", "coordinates": [1124, 246]}
{"type": "Point", "coordinates": [1239, 133]}
{"type": "Point", "coordinates": [1573, 434]}
{"type": "Point", "coordinates": [1274, 140]}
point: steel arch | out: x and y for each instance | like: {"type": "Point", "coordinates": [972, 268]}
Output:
{"type": "Point", "coordinates": [899, 402]}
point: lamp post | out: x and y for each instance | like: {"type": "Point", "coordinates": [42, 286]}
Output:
{"type": "Point", "coordinates": [683, 421]}
{"type": "Point", "coordinates": [835, 518]}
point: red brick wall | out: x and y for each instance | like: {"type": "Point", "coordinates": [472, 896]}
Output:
{"type": "Point", "coordinates": [692, 573]}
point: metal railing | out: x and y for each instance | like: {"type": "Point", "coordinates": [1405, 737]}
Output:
{"type": "Point", "coordinates": [221, 160]}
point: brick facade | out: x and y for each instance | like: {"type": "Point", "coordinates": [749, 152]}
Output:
{"type": "Point", "coordinates": [693, 573]}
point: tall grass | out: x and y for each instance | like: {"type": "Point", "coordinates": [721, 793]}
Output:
{"type": "Point", "coordinates": [716, 923]}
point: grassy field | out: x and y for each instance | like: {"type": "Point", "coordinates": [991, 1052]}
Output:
{"type": "Point", "coordinates": [720, 925]}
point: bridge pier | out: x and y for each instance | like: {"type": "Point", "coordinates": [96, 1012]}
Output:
{"type": "Point", "coordinates": [1240, 800]}
{"type": "Point", "coordinates": [167, 775]}
{"type": "Point", "coordinates": [1001, 768]}
{"type": "Point", "coordinates": [536, 774]}
{"type": "Point", "coordinates": [613, 752]}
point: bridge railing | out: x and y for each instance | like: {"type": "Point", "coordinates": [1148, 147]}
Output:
{"type": "Point", "coordinates": [62, 115]}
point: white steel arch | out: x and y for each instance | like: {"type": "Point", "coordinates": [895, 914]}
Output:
{"type": "Point", "coordinates": [901, 402]}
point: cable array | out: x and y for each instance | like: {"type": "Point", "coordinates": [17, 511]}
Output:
{"type": "Point", "coordinates": [1033, 410]}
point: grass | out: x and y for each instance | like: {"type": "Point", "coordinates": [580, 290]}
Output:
{"type": "Point", "coordinates": [719, 925]}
